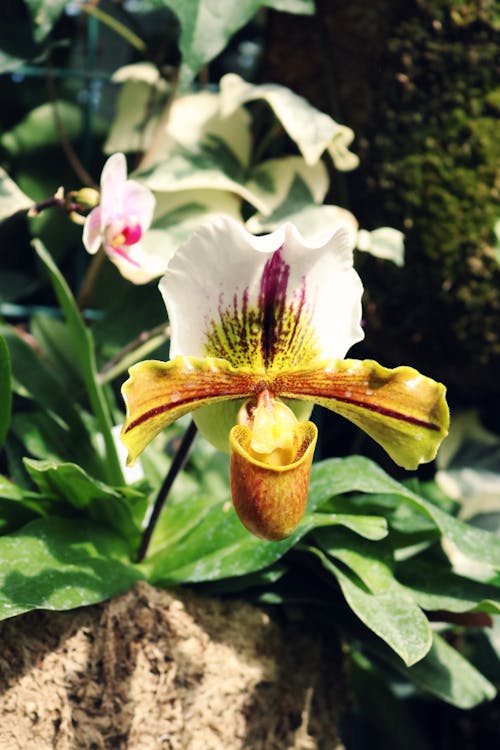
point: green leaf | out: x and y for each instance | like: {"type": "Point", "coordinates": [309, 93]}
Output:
{"type": "Point", "coordinates": [5, 390]}
{"type": "Point", "coordinates": [13, 515]}
{"type": "Point", "coordinates": [122, 509]}
{"type": "Point", "coordinates": [373, 528]}
{"type": "Point", "coordinates": [208, 25]}
{"type": "Point", "coordinates": [54, 337]}
{"type": "Point", "coordinates": [203, 541]}
{"type": "Point", "coordinates": [44, 14]}
{"type": "Point", "coordinates": [210, 166]}
{"type": "Point", "coordinates": [391, 612]}
{"type": "Point", "coordinates": [300, 207]}
{"type": "Point", "coordinates": [60, 418]}
{"type": "Point", "coordinates": [55, 563]}
{"type": "Point", "coordinates": [371, 562]}
{"type": "Point", "coordinates": [446, 674]}
{"type": "Point", "coordinates": [388, 721]}
{"type": "Point", "coordinates": [12, 198]}
{"type": "Point", "coordinates": [313, 131]}
{"type": "Point", "coordinates": [193, 118]}
{"type": "Point", "coordinates": [85, 358]}
{"type": "Point", "coordinates": [37, 130]}
{"type": "Point", "coordinates": [180, 213]}
{"type": "Point", "coordinates": [435, 588]}
{"type": "Point", "coordinates": [385, 242]}
{"type": "Point", "coordinates": [357, 473]}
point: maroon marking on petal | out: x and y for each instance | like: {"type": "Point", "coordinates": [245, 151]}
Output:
{"type": "Point", "coordinates": [280, 323]}
{"type": "Point", "coordinates": [386, 412]}
{"type": "Point", "coordinates": [158, 410]}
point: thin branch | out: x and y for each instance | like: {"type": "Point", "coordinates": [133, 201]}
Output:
{"type": "Point", "coordinates": [178, 462]}
{"type": "Point", "coordinates": [66, 146]}
{"type": "Point", "coordinates": [140, 347]}
{"type": "Point", "coordinates": [117, 26]}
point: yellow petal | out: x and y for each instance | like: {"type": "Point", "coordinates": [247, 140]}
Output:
{"type": "Point", "coordinates": [404, 411]}
{"type": "Point", "coordinates": [158, 393]}
{"type": "Point", "coordinates": [270, 500]}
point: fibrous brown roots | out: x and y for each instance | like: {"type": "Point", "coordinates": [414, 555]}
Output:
{"type": "Point", "coordinates": [153, 669]}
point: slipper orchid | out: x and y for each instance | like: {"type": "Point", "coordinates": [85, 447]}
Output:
{"type": "Point", "coordinates": [260, 328]}
{"type": "Point", "coordinates": [118, 223]}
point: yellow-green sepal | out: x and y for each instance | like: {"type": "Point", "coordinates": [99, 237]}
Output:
{"type": "Point", "coordinates": [216, 421]}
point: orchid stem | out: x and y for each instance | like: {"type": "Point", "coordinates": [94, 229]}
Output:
{"type": "Point", "coordinates": [139, 348]}
{"type": "Point", "coordinates": [117, 26]}
{"type": "Point", "coordinates": [87, 286]}
{"type": "Point", "coordinates": [178, 462]}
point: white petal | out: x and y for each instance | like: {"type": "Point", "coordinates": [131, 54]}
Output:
{"type": "Point", "coordinates": [138, 202]}
{"type": "Point", "coordinates": [138, 267]}
{"type": "Point", "coordinates": [113, 179]}
{"type": "Point", "coordinates": [92, 235]}
{"type": "Point", "coordinates": [225, 278]}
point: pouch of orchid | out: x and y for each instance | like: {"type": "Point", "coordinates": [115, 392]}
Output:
{"type": "Point", "coordinates": [260, 328]}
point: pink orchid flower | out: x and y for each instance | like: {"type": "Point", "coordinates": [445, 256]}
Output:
{"type": "Point", "coordinates": [119, 222]}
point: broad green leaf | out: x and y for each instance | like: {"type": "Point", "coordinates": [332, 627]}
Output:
{"type": "Point", "coordinates": [371, 562]}
{"type": "Point", "coordinates": [391, 613]}
{"type": "Point", "coordinates": [122, 508]}
{"type": "Point", "coordinates": [34, 380]}
{"type": "Point", "coordinates": [385, 242]}
{"type": "Point", "coordinates": [446, 674]}
{"type": "Point", "coordinates": [37, 130]}
{"type": "Point", "coordinates": [14, 515]}
{"type": "Point", "coordinates": [140, 102]}
{"type": "Point", "coordinates": [15, 285]}
{"type": "Point", "coordinates": [436, 588]}
{"type": "Point", "coordinates": [313, 131]}
{"type": "Point", "coordinates": [357, 473]}
{"type": "Point", "coordinates": [9, 490]}
{"type": "Point", "coordinates": [56, 563]}
{"type": "Point", "coordinates": [5, 390]}
{"type": "Point", "coordinates": [388, 721]}
{"type": "Point", "coordinates": [56, 341]}
{"type": "Point", "coordinates": [44, 14]}
{"type": "Point", "coordinates": [469, 467]}
{"type": "Point", "coordinates": [211, 165]}
{"type": "Point", "coordinates": [179, 214]}
{"type": "Point", "coordinates": [373, 528]}
{"type": "Point", "coordinates": [192, 118]}
{"type": "Point", "coordinates": [217, 545]}
{"type": "Point", "coordinates": [9, 62]}
{"type": "Point", "coordinates": [300, 207]}
{"type": "Point", "coordinates": [284, 186]}
{"type": "Point", "coordinates": [85, 357]}
{"type": "Point", "coordinates": [12, 198]}
{"type": "Point", "coordinates": [44, 436]}
{"type": "Point", "coordinates": [208, 25]}
{"type": "Point", "coordinates": [196, 117]}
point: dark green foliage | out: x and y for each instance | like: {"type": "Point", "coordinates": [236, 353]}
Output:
{"type": "Point", "coordinates": [435, 174]}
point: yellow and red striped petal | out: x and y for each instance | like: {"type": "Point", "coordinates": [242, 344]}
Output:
{"type": "Point", "coordinates": [404, 411]}
{"type": "Point", "coordinates": [158, 393]}
{"type": "Point", "coordinates": [270, 500]}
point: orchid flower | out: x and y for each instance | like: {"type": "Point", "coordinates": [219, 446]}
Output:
{"type": "Point", "coordinates": [119, 222]}
{"type": "Point", "coordinates": [260, 328]}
